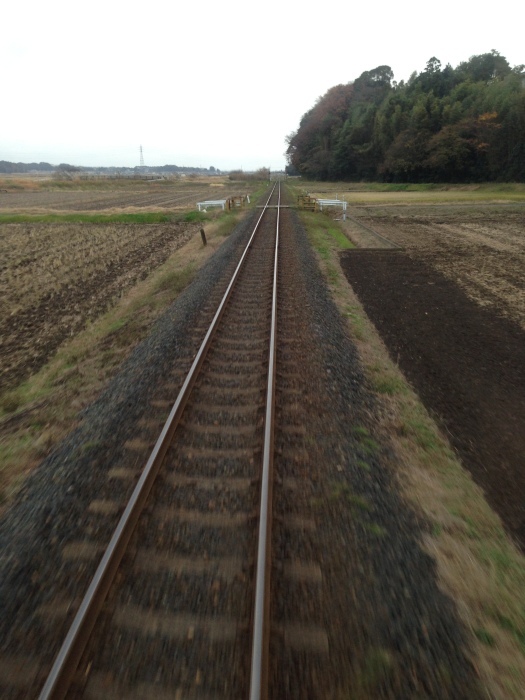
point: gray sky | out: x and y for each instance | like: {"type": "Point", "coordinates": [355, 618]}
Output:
{"type": "Point", "coordinates": [209, 83]}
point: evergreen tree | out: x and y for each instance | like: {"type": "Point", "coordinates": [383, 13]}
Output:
{"type": "Point", "coordinates": [444, 124]}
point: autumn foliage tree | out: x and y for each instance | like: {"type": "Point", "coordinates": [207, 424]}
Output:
{"type": "Point", "coordinates": [443, 124]}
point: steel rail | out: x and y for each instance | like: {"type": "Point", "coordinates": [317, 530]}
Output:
{"type": "Point", "coordinates": [68, 657]}
{"type": "Point", "coordinates": [261, 619]}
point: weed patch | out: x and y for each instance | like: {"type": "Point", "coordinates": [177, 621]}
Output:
{"type": "Point", "coordinates": [226, 223]}
{"type": "Point", "coordinates": [174, 281]}
{"type": "Point", "coordinates": [363, 465]}
{"type": "Point", "coordinates": [389, 384]}
{"type": "Point", "coordinates": [423, 433]}
{"type": "Point", "coordinates": [195, 217]}
{"type": "Point", "coordinates": [370, 675]}
{"type": "Point", "coordinates": [342, 492]}
{"type": "Point", "coordinates": [485, 637]}
{"type": "Point", "coordinates": [325, 233]}
{"type": "Point", "coordinates": [366, 442]}
{"type": "Point", "coordinates": [376, 530]}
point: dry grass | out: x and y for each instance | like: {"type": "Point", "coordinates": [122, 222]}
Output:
{"type": "Point", "coordinates": [373, 193]}
{"type": "Point", "coordinates": [478, 566]}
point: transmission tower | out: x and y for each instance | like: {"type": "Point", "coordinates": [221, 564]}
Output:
{"type": "Point", "coordinates": [141, 158]}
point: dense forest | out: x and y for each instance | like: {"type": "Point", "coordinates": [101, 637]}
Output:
{"type": "Point", "coordinates": [464, 124]}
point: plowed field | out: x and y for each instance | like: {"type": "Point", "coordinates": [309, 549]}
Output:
{"type": "Point", "coordinates": [451, 309]}
{"type": "Point", "coordinates": [57, 277]}
{"type": "Point", "coordinates": [151, 196]}
{"type": "Point", "coordinates": [482, 248]}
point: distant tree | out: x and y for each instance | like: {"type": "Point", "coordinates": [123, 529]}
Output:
{"type": "Point", "coordinates": [262, 174]}
{"type": "Point", "coordinates": [8, 167]}
{"type": "Point", "coordinates": [65, 171]}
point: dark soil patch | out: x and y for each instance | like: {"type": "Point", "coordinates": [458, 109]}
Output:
{"type": "Point", "coordinates": [466, 362]}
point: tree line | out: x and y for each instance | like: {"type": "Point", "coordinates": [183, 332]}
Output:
{"type": "Point", "coordinates": [463, 124]}
{"type": "Point", "coordinates": [9, 168]}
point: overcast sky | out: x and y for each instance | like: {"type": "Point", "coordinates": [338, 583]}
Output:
{"type": "Point", "coordinates": [207, 83]}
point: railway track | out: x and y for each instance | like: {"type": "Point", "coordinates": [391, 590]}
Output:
{"type": "Point", "coordinates": [353, 606]}
{"type": "Point", "coordinates": [180, 603]}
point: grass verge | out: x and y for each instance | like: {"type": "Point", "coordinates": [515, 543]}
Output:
{"type": "Point", "coordinates": [478, 566]}
{"type": "Point", "coordinates": [327, 237]}
{"type": "Point", "coordinates": [120, 218]}
{"type": "Point", "coordinates": [140, 218]}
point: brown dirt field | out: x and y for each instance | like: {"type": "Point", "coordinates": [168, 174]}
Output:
{"type": "Point", "coordinates": [450, 310]}
{"type": "Point", "coordinates": [36, 415]}
{"type": "Point", "coordinates": [481, 248]}
{"type": "Point", "coordinates": [136, 196]}
{"type": "Point", "coordinates": [57, 277]}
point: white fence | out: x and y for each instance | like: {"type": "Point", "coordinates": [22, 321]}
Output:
{"type": "Point", "coordinates": [211, 203]}
{"type": "Point", "coordinates": [333, 203]}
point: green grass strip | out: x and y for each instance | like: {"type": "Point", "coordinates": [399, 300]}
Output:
{"type": "Point", "coordinates": [139, 218]}
{"type": "Point", "coordinates": [136, 218]}
{"type": "Point", "coordinates": [327, 233]}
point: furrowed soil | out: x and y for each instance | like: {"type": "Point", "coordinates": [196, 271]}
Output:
{"type": "Point", "coordinates": [58, 277]}
{"type": "Point", "coordinates": [99, 196]}
{"type": "Point", "coordinates": [451, 310]}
